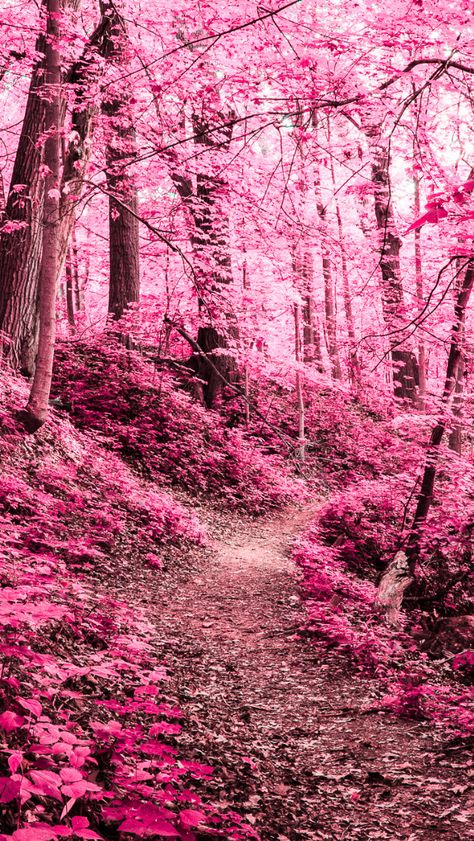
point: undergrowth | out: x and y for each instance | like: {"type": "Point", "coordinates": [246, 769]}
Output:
{"type": "Point", "coordinates": [163, 433]}
{"type": "Point", "coordinates": [341, 558]}
{"type": "Point", "coordinates": [88, 731]}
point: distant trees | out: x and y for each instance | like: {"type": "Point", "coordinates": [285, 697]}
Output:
{"type": "Point", "coordinates": [172, 122]}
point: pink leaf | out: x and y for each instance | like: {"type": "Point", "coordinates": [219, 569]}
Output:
{"type": "Point", "coordinates": [31, 705]}
{"type": "Point", "coordinates": [467, 187]}
{"type": "Point", "coordinates": [133, 826]}
{"type": "Point", "coordinates": [14, 761]}
{"type": "Point", "coordinates": [70, 775]}
{"type": "Point", "coordinates": [191, 817]}
{"type": "Point", "coordinates": [158, 827]}
{"type": "Point", "coordinates": [433, 216]}
{"type": "Point", "coordinates": [79, 822]}
{"type": "Point", "coordinates": [10, 721]}
{"type": "Point", "coordinates": [68, 807]}
{"type": "Point", "coordinates": [46, 784]}
{"type": "Point", "coordinates": [9, 789]}
{"type": "Point", "coordinates": [34, 833]}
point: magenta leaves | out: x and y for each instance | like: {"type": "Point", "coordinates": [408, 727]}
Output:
{"type": "Point", "coordinates": [88, 728]}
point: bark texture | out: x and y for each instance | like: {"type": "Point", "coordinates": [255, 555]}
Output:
{"type": "Point", "coordinates": [404, 363]}
{"type": "Point", "coordinates": [121, 151]}
{"type": "Point", "coordinates": [329, 285]}
{"type": "Point", "coordinates": [21, 234]}
{"type": "Point", "coordinates": [203, 199]}
{"type": "Point", "coordinates": [299, 386]}
{"type": "Point", "coordinates": [21, 238]}
{"type": "Point", "coordinates": [37, 408]}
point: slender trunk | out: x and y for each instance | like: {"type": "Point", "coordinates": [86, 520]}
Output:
{"type": "Point", "coordinates": [302, 262]}
{"type": "Point", "coordinates": [455, 436]}
{"type": "Point", "coordinates": [70, 291]}
{"type": "Point", "coordinates": [422, 372]}
{"type": "Point", "coordinates": [353, 361]}
{"type": "Point", "coordinates": [400, 573]}
{"type": "Point", "coordinates": [82, 75]}
{"type": "Point", "coordinates": [329, 289]}
{"type": "Point", "coordinates": [404, 364]}
{"type": "Point", "coordinates": [37, 408]}
{"type": "Point", "coordinates": [77, 290]}
{"type": "Point", "coordinates": [21, 237]}
{"type": "Point", "coordinates": [124, 246]}
{"type": "Point", "coordinates": [299, 386]}
{"type": "Point", "coordinates": [121, 151]}
{"type": "Point", "coordinates": [246, 285]}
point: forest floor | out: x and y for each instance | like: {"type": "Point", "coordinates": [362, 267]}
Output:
{"type": "Point", "coordinates": [297, 745]}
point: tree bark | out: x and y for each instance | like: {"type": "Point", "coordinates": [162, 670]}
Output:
{"type": "Point", "coordinates": [82, 76]}
{"type": "Point", "coordinates": [21, 234]}
{"type": "Point", "coordinates": [455, 436]}
{"type": "Point", "coordinates": [425, 497]}
{"type": "Point", "coordinates": [299, 386]}
{"type": "Point", "coordinates": [70, 291]}
{"type": "Point", "coordinates": [37, 408]}
{"type": "Point", "coordinates": [213, 271]}
{"type": "Point", "coordinates": [329, 288]}
{"type": "Point", "coordinates": [21, 241]}
{"type": "Point", "coordinates": [353, 361]}
{"type": "Point", "coordinates": [121, 151]}
{"type": "Point", "coordinates": [404, 364]}
{"type": "Point", "coordinates": [422, 360]}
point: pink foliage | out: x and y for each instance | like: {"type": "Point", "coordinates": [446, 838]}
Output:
{"type": "Point", "coordinates": [61, 635]}
{"type": "Point", "coordinates": [163, 433]}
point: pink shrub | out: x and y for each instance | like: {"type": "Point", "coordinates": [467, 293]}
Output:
{"type": "Point", "coordinates": [164, 434]}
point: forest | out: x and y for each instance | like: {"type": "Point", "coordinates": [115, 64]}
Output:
{"type": "Point", "coordinates": [236, 420]}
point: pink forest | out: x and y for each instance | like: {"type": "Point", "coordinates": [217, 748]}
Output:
{"type": "Point", "coordinates": [236, 420]}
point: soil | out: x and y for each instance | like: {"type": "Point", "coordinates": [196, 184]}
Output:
{"type": "Point", "coordinates": [298, 745]}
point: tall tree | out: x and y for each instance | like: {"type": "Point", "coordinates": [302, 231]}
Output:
{"type": "Point", "coordinates": [37, 407]}
{"type": "Point", "coordinates": [404, 363]}
{"type": "Point", "coordinates": [21, 233]}
{"type": "Point", "coordinates": [203, 198]}
{"type": "Point", "coordinates": [124, 246]}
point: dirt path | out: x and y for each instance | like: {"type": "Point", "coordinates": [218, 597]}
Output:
{"type": "Point", "coordinates": [284, 726]}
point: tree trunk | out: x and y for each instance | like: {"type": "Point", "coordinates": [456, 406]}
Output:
{"type": "Point", "coordinates": [404, 364]}
{"type": "Point", "coordinates": [70, 291]}
{"type": "Point", "coordinates": [299, 386]}
{"type": "Point", "coordinates": [78, 302]}
{"type": "Point", "coordinates": [124, 245]}
{"type": "Point", "coordinates": [353, 361]}
{"type": "Point", "coordinates": [82, 75]}
{"type": "Point", "coordinates": [455, 436]}
{"type": "Point", "coordinates": [246, 285]}
{"type": "Point", "coordinates": [21, 240]}
{"type": "Point", "coordinates": [302, 264]}
{"type": "Point", "coordinates": [37, 407]}
{"type": "Point", "coordinates": [329, 289]}
{"type": "Point", "coordinates": [422, 360]}
{"type": "Point", "coordinates": [212, 263]}
{"type": "Point", "coordinates": [21, 234]}
{"type": "Point", "coordinates": [425, 497]}
{"type": "Point", "coordinates": [121, 151]}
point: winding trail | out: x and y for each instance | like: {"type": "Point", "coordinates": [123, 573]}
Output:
{"type": "Point", "coordinates": [285, 725]}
